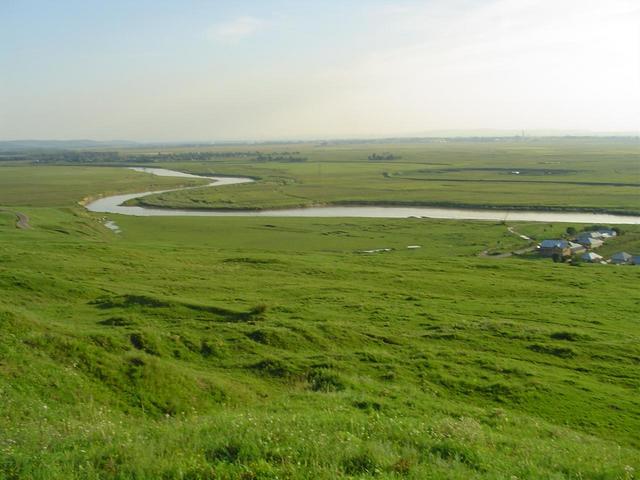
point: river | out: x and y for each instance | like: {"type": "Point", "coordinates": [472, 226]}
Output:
{"type": "Point", "coordinates": [113, 204]}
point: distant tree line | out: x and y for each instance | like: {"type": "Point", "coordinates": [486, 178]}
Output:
{"type": "Point", "coordinates": [102, 157]}
{"type": "Point", "coordinates": [376, 157]}
{"type": "Point", "coordinates": [63, 156]}
{"type": "Point", "coordinates": [285, 157]}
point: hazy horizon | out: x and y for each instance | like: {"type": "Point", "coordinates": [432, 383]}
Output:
{"type": "Point", "coordinates": [435, 135]}
{"type": "Point", "coordinates": [202, 71]}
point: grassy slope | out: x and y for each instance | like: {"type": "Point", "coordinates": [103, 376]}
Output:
{"type": "Point", "coordinates": [269, 349]}
{"type": "Point", "coordinates": [563, 175]}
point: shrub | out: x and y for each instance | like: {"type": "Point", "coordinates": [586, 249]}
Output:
{"type": "Point", "coordinates": [145, 342]}
{"type": "Point", "coordinates": [323, 380]}
{"type": "Point", "coordinates": [275, 337]}
{"type": "Point", "coordinates": [259, 309]}
{"type": "Point", "coordinates": [593, 228]}
{"type": "Point", "coordinates": [449, 450]}
{"type": "Point", "coordinates": [228, 453]}
{"type": "Point", "coordinates": [360, 464]}
{"type": "Point", "coordinates": [569, 336]}
{"type": "Point", "coordinates": [402, 466]}
{"type": "Point", "coordinates": [367, 405]}
{"type": "Point", "coordinates": [273, 367]}
{"type": "Point", "coordinates": [562, 352]}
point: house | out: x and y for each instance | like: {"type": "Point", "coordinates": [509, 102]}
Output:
{"type": "Point", "coordinates": [576, 248]}
{"type": "Point", "coordinates": [591, 257]}
{"type": "Point", "coordinates": [592, 243]}
{"type": "Point", "coordinates": [586, 236]}
{"type": "Point", "coordinates": [621, 258]}
{"type": "Point", "coordinates": [556, 249]}
{"type": "Point", "coordinates": [635, 260]}
{"type": "Point", "coordinates": [607, 233]}
{"type": "Point", "coordinates": [591, 233]}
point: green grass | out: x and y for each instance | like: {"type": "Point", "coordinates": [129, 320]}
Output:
{"type": "Point", "coordinates": [47, 186]}
{"type": "Point", "coordinates": [154, 353]}
{"type": "Point", "coordinates": [264, 348]}
{"type": "Point", "coordinates": [558, 175]}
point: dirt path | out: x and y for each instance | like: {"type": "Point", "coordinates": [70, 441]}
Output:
{"type": "Point", "coordinates": [520, 251]}
{"type": "Point", "coordinates": [22, 221]}
{"type": "Point", "coordinates": [524, 237]}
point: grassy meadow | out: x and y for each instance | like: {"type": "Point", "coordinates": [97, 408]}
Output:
{"type": "Point", "coordinates": [545, 175]}
{"type": "Point", "coordinates": [273, 348]}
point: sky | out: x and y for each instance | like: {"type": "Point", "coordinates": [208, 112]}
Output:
{"type": "Point", "coordinates": [196, 70]}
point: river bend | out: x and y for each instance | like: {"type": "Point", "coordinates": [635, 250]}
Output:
{"type": "Point", "coordinates": [114, 204]}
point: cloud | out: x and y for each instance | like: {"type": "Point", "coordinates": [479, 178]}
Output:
{"type": "Point", "coordinates": [236, 29]}
{"type": "Point", "coordinates": [502, 63]}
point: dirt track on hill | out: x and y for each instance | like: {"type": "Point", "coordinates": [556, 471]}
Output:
{"type": "Point", "coordinates": [22, 221]}
{"type": "Point", "coordinates": [520, 251]}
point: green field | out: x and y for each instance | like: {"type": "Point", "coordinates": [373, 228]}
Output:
{"type": "Point", "coordinates": [47, 186]}
{"type": "Point", "coordinates": [558, 175]}
{"type": "Point", "coordinates": [255, 348]}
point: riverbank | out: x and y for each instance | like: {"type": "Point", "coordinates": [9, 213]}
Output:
{"type": "Point", "coordinates": [143, 202]}
{"type": "Point", "coordinates": [117, 204]}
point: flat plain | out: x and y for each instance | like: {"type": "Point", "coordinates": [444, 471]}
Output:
{"type": "Point", "coordinates": [256, 348]}
{"type": "Point", "coordinates": [545, 175]}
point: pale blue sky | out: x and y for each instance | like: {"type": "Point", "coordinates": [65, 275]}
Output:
{"type": "Point", "coordinates": [213, 70]}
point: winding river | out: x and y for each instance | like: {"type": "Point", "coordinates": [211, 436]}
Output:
{"type": "Point", "coordinates": [113, 204]}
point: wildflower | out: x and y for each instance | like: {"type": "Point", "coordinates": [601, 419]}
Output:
{"type": "Point", "coordinates": [628, 472]}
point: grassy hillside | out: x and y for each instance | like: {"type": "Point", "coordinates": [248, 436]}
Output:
{"type": "Point", "coordinates": [249, 348]}
{"type": "Point", "coordinates": [237, 348]}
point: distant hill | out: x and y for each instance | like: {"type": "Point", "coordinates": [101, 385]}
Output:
{"type": "Point", "coordinates": [425, 137]}
{"type": "Point", "coordinates": [13, 145]}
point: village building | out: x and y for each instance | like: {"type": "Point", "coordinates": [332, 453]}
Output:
{"type": "Point", "coordinates": [576, 248]}
{"type": "Point", "coordinates": [592, 243]}
{"type": "Point", "coordinates": [621, 258]}
{"type": "Point", "coordinates": [556, 249]}
{"type": "Point", "coordinates": [607, 233]}
{"type": "Point", "coordinates": [589, 234]}
{"type": "Point", "coordinates": [591, 257]}
{"type": "Point", "coordinates": [635, 260]}
{"type": "Point", "coordinates": [584, 238]}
